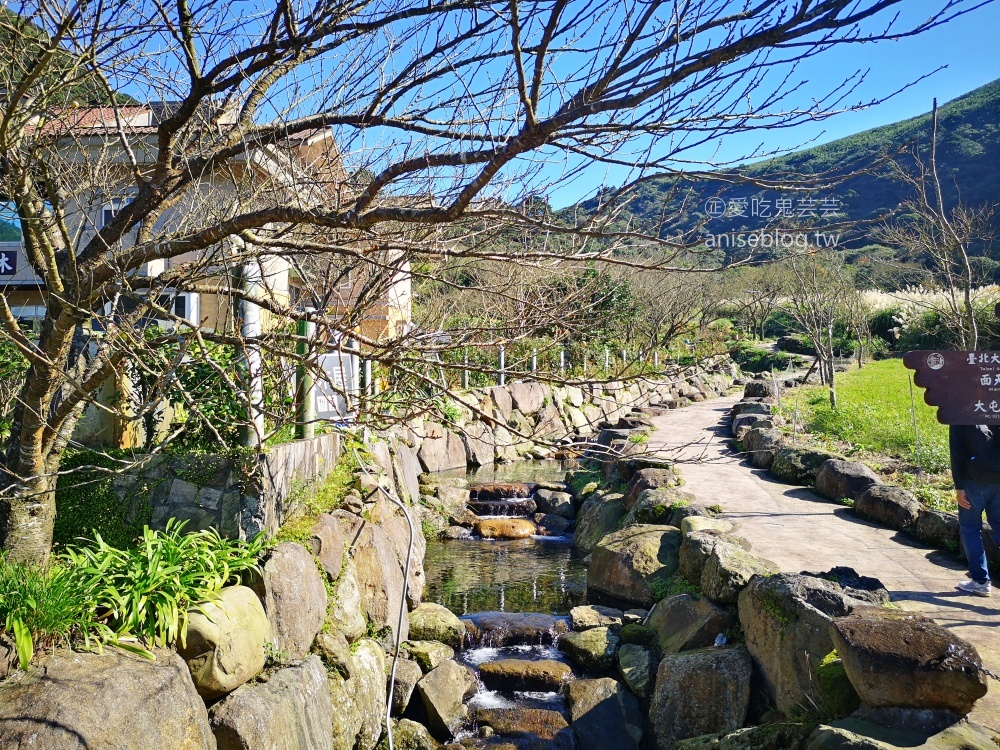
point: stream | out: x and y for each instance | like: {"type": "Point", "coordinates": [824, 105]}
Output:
{"type": "Point", "coordinates": [534, 582]}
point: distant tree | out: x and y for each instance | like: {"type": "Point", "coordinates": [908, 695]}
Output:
{"type": "Point", "coordinates": [757, 293]}
{"type": "Point", "coordinates": [944, 237]}
{"type": "Point", "coordinates": [818, 290]}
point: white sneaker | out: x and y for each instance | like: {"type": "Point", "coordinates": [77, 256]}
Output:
{"type": "Point", "coordinates": [979, 589]}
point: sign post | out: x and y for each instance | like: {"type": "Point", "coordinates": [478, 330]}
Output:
{"type": "Point", "coordinates": [965, 386]}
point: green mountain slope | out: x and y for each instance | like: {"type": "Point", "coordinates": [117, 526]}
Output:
{"type": "Point", "coordinates": [968, 155]}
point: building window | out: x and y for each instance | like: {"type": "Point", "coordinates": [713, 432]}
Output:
{"type": "Point", "coordinates": [110, 211]}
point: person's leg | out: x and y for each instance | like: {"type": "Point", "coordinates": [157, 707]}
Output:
{"type": "Point", "coordinates": [993, 513]}
{"type": "Point", "coordinates": [970, 523]}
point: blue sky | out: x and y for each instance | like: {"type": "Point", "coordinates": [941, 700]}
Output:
{"type": "Point", "coordinates": [967, 47]}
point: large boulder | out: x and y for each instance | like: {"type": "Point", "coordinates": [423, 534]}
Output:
{"type": "Point", "coordinates": [651, 478]}
{"type": "Point", "coordinates": [599, 516]}
{"type": "Point", "coordinates": [379, 575]}
{"type": "Point", "coordinates": [397, 529]}
{"type": "Point", "coordinates": [588, 616]}
{"type": "Point", "coordinates": [659, 507]}
{"type": "Point", "coordinates": [728, 571]}
{"type": "Point", "coordinates": [406, 466]}
{"type": "Point", "coordinates": [225, 641]}
{"type": "Point", "coordinates": [432, 622]}
{"type": "Point", "coordinates": [505, 528]}
{"type": "Point", "coordinates": [791, 735]}
{"type": "Point", "coordinates": [479, 444]}
{"type": "Point", "coordinates": [428, 654]}
{"type": "Point", "coordinates": [291, 711]}
{"type": "Point", "coordinates": [697, 547]}
{"type": "Point", "coordinates": [408, 674]}
{"type": "Point", "coordinates": [556, 503]}
{"type": "Point", "coordinates": [528, 397]}
{"type": "Point", "coordinates": [441, 449]}
{"type": "Point", "coordinates": [761, 389]}
{"type": "Point", "coordinates": [836, 479]}
{"type": "Point", "coordinates": [700, 692]}
{"type": "Point", "coordinates": [523, 729]}
{"type": "Point", "coordinates": [750, 407]}
{"type": "Point", "coordinates": [743, 423]}
{"type": "Point", "coordinates": [550, 525]}
{"type": "Point", "coordinates": [799, 465]}
{"type": "Point", "coordinates": [592, 650]}
{"type": "Point", "coordinates": [786, 620]}
{"type": "Point", "coordinates": [442, 691]}
{"type": "Point", "coordinates": [359, 701]}
{"type": "Point", "coordinates": [294, 597]}
{"type": "Point", "coordinates": [890, 506]}
{"type": "Point", "coordinates": [860, 734]}
{"type": "Point", "coordinates": [499, 397]}
{"type": "Point", "coordinates": [762, 445]}
{"type": "Point", "coordinates": [527, 675]}
{"type": "Point", "coordinates": [84, 701]}
{"type": "Point", "coordinates": [343, 612]}
{"type": "Point", "coordinates": [409, 735]}
{"type": "Point", "coordinates": [695, 523]}
{"type": "Point", "coordinates": [683, 623]}
{"type": "Point", "coordinates": [899, 659]}
{"type": "Point", "coordinates": [328, 545]}
{"type": "Point", "coordinates": [635, 667]}
{"type": "Point", "coordinates": [633, 565]}
{"type": "Point", "coordinates": [938, 529]}
{"type": "Point", "coordinates": [603, 715]}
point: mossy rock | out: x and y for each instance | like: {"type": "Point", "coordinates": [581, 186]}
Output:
{"type": "Point", "coordinates": [799, 465]}
{"type": "Point", "coordinates": [840, 699]}
{"type": "Point", "coordinates": [639, 635]}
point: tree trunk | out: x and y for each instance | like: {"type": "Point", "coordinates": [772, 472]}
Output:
{"type": "Point", "coordinates": [27, 517]}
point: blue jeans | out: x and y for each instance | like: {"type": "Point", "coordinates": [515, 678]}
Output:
{"type": "Point", "coordinates": [984, 498]}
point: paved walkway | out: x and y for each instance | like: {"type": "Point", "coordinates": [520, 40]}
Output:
{"type": "Point", "coordinates": [798, 530]}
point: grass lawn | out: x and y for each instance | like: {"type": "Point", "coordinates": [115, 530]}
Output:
{"type": "Point", "coordinates": [874, 415]}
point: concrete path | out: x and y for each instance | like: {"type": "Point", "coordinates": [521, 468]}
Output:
{"type": "Point", "coordinates": [798, 530]}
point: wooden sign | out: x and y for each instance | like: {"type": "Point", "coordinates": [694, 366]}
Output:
{"type": "Point", "coordinates": [965, 386]}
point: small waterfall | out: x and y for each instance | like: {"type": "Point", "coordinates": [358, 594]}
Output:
{"type": "Point", "coordinates": [504, 506]}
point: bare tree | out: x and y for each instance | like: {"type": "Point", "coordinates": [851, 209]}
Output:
{"type": "Point", "coordinates": [943, 237]}
{"type": "Point", "coordinates": [153, 150]}
{"type": "Point", "coordinates": [817, 293]}
{"type": "Point", "coordinates": [758, 292]}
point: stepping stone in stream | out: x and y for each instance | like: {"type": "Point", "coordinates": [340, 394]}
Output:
{"type": "Point", "coordinates": [509, 675]}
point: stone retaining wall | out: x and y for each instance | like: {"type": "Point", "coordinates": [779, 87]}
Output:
{"type": "Point", "coordinates": [530, 419]}
{"type": "Point", "coordinates": [239, 497]}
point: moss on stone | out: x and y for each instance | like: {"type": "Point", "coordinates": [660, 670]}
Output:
{"type": "Point", "coordinates": [640, 635]}
{"type": "Point", "coordinates": [840, 699]}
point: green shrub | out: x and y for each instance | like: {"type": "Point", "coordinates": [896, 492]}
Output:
{"type": "Point", "coordinates": [754, 359]}
{"type": "Point", "coordinates": [780, 323]}
{"type": "Point", "coordinates": [43, 607]}
{"type": "Point", "coordinates": [924, 331]}
{"type": "Point", "coordinates": [147, 590]}
{"type": "Point", "coordinates": [882, 325]}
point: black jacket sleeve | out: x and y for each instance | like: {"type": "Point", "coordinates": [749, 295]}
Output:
{"type": "Point", "coordinates": [959, 459]}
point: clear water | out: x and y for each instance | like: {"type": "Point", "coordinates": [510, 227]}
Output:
{"type": "Point", "coordinates": [549, 470]}
{"type": "Point", "coordinates": [540, 574]}
{"type": "Point", "coordinates": [484, 698]}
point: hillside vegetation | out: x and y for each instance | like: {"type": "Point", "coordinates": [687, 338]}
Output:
{"type": "Point", "coordinates": [969, 165]}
